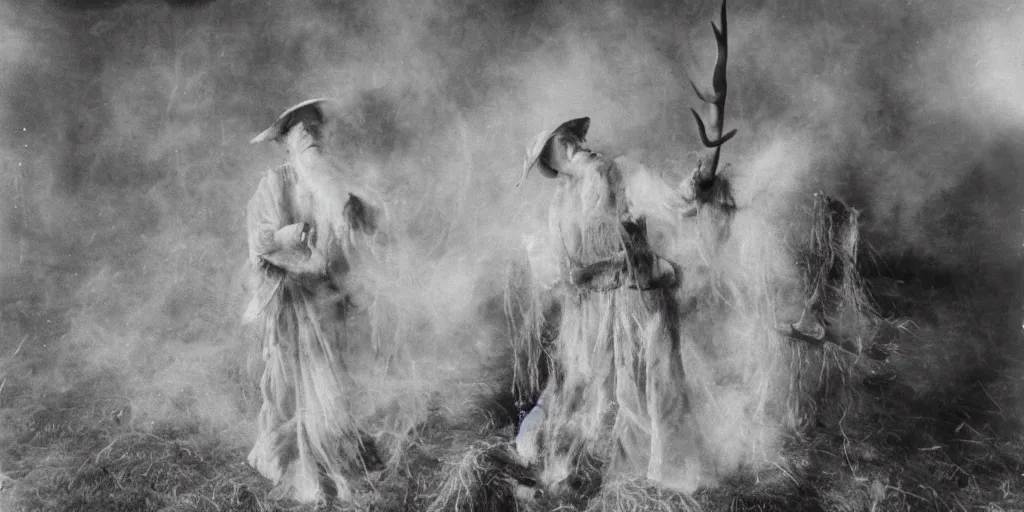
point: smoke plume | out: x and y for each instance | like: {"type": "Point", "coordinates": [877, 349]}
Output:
{"type": "Point", "coordinates": [127, 166]}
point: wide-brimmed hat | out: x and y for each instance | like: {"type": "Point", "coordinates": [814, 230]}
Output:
{"type": "Point", "coordinates": [577, 128]}
{"type": "Point", "coordinates": [285, 121]}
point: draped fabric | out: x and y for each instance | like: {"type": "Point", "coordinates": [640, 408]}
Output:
{"type": "Point", "coordinates": [307, 443]}
{"type": "Point", "coordinates": [616, 395]}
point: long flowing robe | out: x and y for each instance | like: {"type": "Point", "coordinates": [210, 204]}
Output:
{"type": "Point", "coordinates": [307, 443]}
{"type": "Point", "coordinates": [617, 393]}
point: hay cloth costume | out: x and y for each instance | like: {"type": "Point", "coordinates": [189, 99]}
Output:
{"type": "Point", "coordinates": [616, 392]}
{"type": "Point", "coordinates": [307, 230]}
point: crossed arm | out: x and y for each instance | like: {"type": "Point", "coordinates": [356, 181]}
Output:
{"type": "Point", "coordinates": [275, 242]}
{"type": "Point", "coordinates": [291, 251]}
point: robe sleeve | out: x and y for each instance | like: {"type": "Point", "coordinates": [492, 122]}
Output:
{"type": "Point", "coordinates": [266, 213]}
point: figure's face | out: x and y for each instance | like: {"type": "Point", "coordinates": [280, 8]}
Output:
{"type": "Point", "coordinates": [567, 156]}
{"type": "Point", "coordinates": [583, 162]}
{"type": "Point", "coordinates": [306, 132]}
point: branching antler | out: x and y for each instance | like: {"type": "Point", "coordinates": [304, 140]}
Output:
{"type": "Point", "coordinates": [705, 174]}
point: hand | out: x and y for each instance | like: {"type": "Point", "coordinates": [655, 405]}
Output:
{"type": "Point", "coordinates": [293, 236]}
{"type": "Point", "coordinates": [688, 187]}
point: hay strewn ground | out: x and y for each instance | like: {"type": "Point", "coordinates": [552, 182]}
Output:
{"type": "Point", "coordinates": [125, 157]}
{"type": "Point", "coordinates": [905, 443]}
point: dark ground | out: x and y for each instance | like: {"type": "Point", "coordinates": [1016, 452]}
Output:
{"type": "Point", "coordinates": [906, 442]}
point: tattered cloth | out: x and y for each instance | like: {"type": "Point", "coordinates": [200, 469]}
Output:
{"type": "Point", "coordinates": [305, 330]}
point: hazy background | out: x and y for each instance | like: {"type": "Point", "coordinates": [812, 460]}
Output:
{"type": "Point", "coordinates": [126, 166]}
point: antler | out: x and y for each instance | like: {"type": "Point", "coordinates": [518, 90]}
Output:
{"type": "Point", "coordinates": [705, 174]}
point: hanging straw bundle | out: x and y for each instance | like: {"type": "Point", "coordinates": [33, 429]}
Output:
{"type": "Point", "coordinates": [838, 321]}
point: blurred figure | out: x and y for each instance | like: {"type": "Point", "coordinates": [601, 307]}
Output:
{"type": "Point", "coordinates": [308, 230]}
{"type": "Point", "coordinates": [616, 391]}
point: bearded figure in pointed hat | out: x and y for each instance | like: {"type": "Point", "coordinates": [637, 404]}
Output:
{"type": "Point", "coordinates": [614, 393]}
{"type": "Point", "coordinates": [308, 228]}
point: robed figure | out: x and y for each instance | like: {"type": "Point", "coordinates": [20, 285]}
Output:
{"type": "Point", "coordinates": [309, 228]}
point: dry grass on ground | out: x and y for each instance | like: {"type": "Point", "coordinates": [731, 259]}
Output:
{"type": "Point", "coordinates": [900, 445]}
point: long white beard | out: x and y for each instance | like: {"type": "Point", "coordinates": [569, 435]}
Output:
{"type": "Point", "coordinates": [326, 189]}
